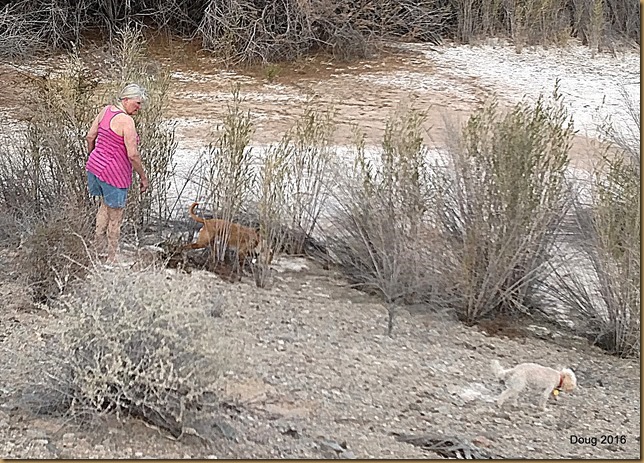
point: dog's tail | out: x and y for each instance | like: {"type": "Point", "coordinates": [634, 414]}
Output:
{"type": "Point", "coordinates": [194, 216]}
{"type": "Point", "coordinates": [498, 371]}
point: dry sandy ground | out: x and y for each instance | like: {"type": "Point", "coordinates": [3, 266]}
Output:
{"type": "Point", "coordinates": [314, 372]}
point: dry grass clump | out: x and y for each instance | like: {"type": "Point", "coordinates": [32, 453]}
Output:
{"type": "Point", "coordinates": [226, 174]}
{"type": "Point", "coordinates": [279, 192]}
{"type": "Point", "coordinates": [142, 345]}
{"type": "Point", "coordinates": [273, 180]}
{"type": "Point", "coordinates": [539, 21]}
{"type": "Point", "coordinates": [9, 229]}
{"type": "Point", "coordinates": [230, 178]}
{"type": "Point", "coordinates": [309, 175]}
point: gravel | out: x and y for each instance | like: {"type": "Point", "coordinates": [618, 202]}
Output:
{"type": "Point", "coordinates": [316, 377]}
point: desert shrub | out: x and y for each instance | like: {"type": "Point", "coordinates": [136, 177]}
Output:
{"type": "Point", "coordinates": [307, 187]}
{"type": "Point", "coordinates": [9, 229]}
{"type": "Point", "coordinates": [526, 22]}
{"type": "Point", "coordinates": [46, 162]}
{"type": "Point", "coordinates": [251, 31]}
{"type": "Point", "coordinates": [14, 43]}
{"type": "Point", "coordinates": [158, 145]}
{"type": "Point", "coordinates": [43, 186]}
{"type": "Point", "coordinates": [280, 192]}
{"type": "Point", "coordinates": [55, 250]}
{"type": "Point", "coordinates": [142, 345]}
{"type": "Point", "coordinates": [226, 172]}
{"type": "Point", "coordinates": [231, 177]}
{"type": "Point", "coordinates": [602, 283]}
{"type": "Point", "coordinates": [625, 138]}
{"type": "Point", "coordinates": [595, 22]}
{"type": "Point", "coordinates": [377, 235]}
{"type": "Point", "coordinates": [44, 166]}
{"type": "Point", "coordinates": [475, 19]}
{"type": "Point", "coordinates": [238, 30]}
{"type": "Point", "coordinates": [273, 180]}
{"type": "Point", "coordinates": [504, 197]}
{"type": "Point", "coordinates": [538, 22]}
{"type": "Point", "coordinates": [600, 22]}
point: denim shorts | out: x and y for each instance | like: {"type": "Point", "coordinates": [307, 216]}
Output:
{"type": "Point", "coordinates": [112, 197]}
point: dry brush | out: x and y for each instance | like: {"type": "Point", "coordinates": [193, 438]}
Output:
{"type": "Point", "coordinates": [133, 345]}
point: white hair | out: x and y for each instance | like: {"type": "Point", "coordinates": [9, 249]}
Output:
{"type": "Point", "coordinates": [133, 91]}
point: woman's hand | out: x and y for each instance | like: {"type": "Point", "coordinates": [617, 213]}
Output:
{"type": "Point", "coordinates": [144, 184]}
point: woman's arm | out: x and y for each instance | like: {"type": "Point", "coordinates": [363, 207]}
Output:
{"type": "Point", "coordinates": [93, 132]}
{"type": "Point", "coordinates": [129, 137]}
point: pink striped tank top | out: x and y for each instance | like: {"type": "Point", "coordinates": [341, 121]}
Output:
{"type": "Point", "coordinates": [109, 161]}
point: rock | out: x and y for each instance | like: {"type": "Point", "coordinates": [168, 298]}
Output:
{"type": "Point", "coordinates": [469, 346]}
{"type": "Point", "coordinates": [482, 441]}
{"type": "Point", "coordinates": [68, 439]}
{"type": "Point", "coordinates": [286, 410]}
{"type": "Point", "coordinates": [35, 434]}
{"type": "Point", "coordinates": [224, 429]}
{"type": "Point", "coordinates": [290, 430]}
{"type": "Point", "coordinates": [326, 444]}
{"type": "Point", "coordinates": [52, 448]}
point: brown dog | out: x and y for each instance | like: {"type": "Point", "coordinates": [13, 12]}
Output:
{"type": "Point", "coordinates": [246, 240]}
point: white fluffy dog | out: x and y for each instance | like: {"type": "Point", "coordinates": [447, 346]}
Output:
{"type": "Point", "coordinates": [546, 380]}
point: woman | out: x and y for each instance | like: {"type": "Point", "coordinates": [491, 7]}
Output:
{"type": "Point", "coordinates": [112, 145]}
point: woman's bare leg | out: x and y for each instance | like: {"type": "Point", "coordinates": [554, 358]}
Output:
{"type": "Point", "coordinates": [102, 219]}
{"type": "Point", "coordinates": [113, 232]}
